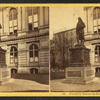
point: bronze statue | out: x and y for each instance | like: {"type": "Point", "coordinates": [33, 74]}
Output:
{"type": "Point", "coordinates": [0, 26]}
{"type": "Point", "coordinates": [80, 31]}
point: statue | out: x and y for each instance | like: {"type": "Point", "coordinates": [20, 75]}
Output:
{"type": "Point", "coordinates": [0, 26]}
{"type": "Point", "coordinates": [80, 31]}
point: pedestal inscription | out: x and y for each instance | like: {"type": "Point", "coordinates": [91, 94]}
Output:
{"type": "Point", "coordinates": [74, 73]}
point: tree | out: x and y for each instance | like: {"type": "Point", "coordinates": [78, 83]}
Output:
{"type": "Point", "coordinates": [52, 54]}
{"type": "Point", "coordinates": [62, 45]}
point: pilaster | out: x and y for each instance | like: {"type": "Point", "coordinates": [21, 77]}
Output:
{"type": "Point", "coordinates": [19, 19]}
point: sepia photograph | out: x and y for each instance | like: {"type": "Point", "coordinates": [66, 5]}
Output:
{"type": "Point", "coordinates": [24, 49]}
{"type": "Point", "coordinates": [75, 49]}
{"type": "Point", "coordinates": [49, 49]}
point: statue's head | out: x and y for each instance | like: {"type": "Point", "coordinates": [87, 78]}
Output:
{"type": "Point", "coordinates": [79, 19]}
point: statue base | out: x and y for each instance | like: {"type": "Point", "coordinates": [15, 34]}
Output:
{"type": "Point", "coordinates": [82, 75]}
{"type": "Point", "coordinates": [5, 76]}
{"type": "Point", "coordinates": [80, 69]}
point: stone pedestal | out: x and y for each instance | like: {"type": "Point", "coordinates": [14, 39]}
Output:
{"type": "Point", "coordinates": [80, 70]}
{"type": "Point", "coordinates": [4, 71]}
{"type": "Point", "coordinates": [5, 76]}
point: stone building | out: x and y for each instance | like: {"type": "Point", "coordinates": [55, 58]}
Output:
{"type": "Point", "coordinates": [92, 34]}
{"type": "Point", "coordinates": [25, 37]}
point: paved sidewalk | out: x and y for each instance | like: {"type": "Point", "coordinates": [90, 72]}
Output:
{"type": "Point", "coordinates": [59, 85]}
{"type": "Point", "coordinates": [20, 85]}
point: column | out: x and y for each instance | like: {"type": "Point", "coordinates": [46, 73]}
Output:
{"type": "Point", "coordinates": [26, 14]}
{"type": "Point", "coordinates": [90, 20]}
{"type": "Point", "coordinates": [86, 20]}
{"type": "Point", "coordinates": [8, 55]}
{"type": "Point", "coordinates": [22, 54]}
{"type": "Point", "coordinates": [41, 16]}
{"type": "Point", "coordinates": [7, 22]}
{"type": "Point", "coordinates": [46, 15]}
{"type": "Point", "coordinates": [1, 22]}
{"type": "Point", "coordinates": [24, 19]}
{"type": "Point", "coordinates": [19, 19]}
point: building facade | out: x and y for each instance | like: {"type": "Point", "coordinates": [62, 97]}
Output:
{"type": "Point", "coordinates": [92, 34]}
{"type": "Point", "coordinates": [25, 37]}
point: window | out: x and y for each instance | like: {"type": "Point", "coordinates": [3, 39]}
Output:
{"type": "Point", "coordinates": [97, 54]}
{"type": "Point", "coordinates": [13, 55]}
{"type": "Point", "coordinates": [96, 19]}
{"type": "Point", "coordinates": [33, 53]}
{"type": "Point", "coordinates": [13, 21]}
{"type": "Point", "coordinates": [32, 18]}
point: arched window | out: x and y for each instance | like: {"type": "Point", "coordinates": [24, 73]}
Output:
{"type": "Point", "coordinates": [33, 53]}
{"type": "Point", "coordinates": [13, 21]}
{"type": "Point", "coordinates": [13, 55]}
{"type": "Point", "coordinates": [32, 18]}
{"type": "Point", "coordinates": [96, 18]}
{"type": "Point", "coordinates": [97, 54]}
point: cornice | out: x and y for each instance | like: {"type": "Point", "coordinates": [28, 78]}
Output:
{"type": "Point", "coordinates": [26, 37]}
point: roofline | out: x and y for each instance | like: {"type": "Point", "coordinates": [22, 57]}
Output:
{"type": "Point", "coordinates": [64, 31]}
